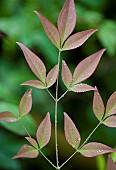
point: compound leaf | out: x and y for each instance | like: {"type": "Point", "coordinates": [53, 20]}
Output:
{"type": "Point", "coordinates": [67, 20]}
{"type": "Point", "coordinates": [71, 133]}
{"type": "Point", "coordinates": [86, 67]}
{"type": "Point", "coordinates": [8, 117]}
{"type": "Point", "coordinates": [44, 131]}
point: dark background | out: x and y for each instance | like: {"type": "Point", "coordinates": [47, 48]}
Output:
{"type": "Point", "coordinates": [18, 22]}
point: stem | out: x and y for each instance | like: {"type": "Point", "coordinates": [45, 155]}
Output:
{"type": "Point", "coordinates": [82, 144]}
{"type": "Point", "coordinates": [25, 128]}
{"type": "Point", "coordinates": [51, 95]}
{"type": "Point", "coordinates": [62, 95]}
{"type": "Point", "coordinates": [56, 112]}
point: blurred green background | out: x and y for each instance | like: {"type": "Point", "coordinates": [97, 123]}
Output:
{"type": "Point", "coordinates": [18, 22]}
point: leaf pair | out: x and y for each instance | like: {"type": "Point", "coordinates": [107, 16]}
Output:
{"type": "Point", "coordinates": [43, 135]}
{"type": "Point", "coordinates": [83, 71]}
{"type": "Point", "coordinates": [38, 68]}
{"type": "Point", "coordinates": [66, 25]}
{"type": "Point", "coordinates": [109, 115]}
{"type": "Point", "coordinates": [73, 138]}
{"type": "Point", "coordinates": [25, 106]}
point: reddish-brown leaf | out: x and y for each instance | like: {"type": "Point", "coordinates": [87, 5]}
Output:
{"type": "Point", "coordinates": [67, 20]}
{"type": "Point", "coordinates": [34, 62]}
{"type": "Point", "coordinates": [32, 142]}
{"type": "Point", "coordinates": [52, 76]}
{"type": "Point", "coordinates": [77, 39]}
{"type": "Point", "coordinates": [71, 133]}
{"type": "Point", "coordinates": [82, 88]}
{"type": "Point", "coordinates": [8, 117]}
{"type": "Point", "coordinates": [44, 131]}
{"type": "Point", "coordinates": [98, 105]}
{"type": "Point", "coordinates": [111, 164]}
{"type": "Point", "coordinates": [25, 104]}
{"type": "Point", "coordinates": [27, 152]}
{"type": "Point", "coordinates": [93, 149]}
{"type": "Point", "coordinates": [111, 105]}
{"type": "Point", "coordinates": [35, 83]}
{"type": "Point", "coordinates": [50, 29]}
{"type": "Point", "coordinates": [110, 121]}
{"type": "Point", "coordinates": [86, 67]}
{"type": "Point", "coordinates": [66, 74]}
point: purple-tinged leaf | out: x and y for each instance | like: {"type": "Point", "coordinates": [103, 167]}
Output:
{"type": "Point", "coordinates": [52, 76]}
{"type": "Point", "coordinates": [76, 40]}
{"type": "Point", "coordinates": [111, 164]}
{"type": "Point", "coordinates": [98, 105]}
{"type": "Point", "coordinates": [111, 105]}
{"type": "Point", "coordinates": [27, 152]}
{"type": "Point", "coordinates": [67, 20]}
{"type": "Point", "coordinates": [25, 104]}
{"type": "Point", "coordinates": [94, 149]}
{"type": "Point", "coordinates": [110, 121]}
{"type": "Point", "coordinates": [71, 133]}
{"type": "Point", "coordinates": [82, 88]}
{"type": "Point", "coordinates": [86, 67]}
{"type": "Point", "coordinates": [32, 142]}
{"type": "Point", "coordinates": [50, 29]}
{"type": "Point", "coordinates": [44, 131]}
{"type": "Point", "coordinates": [66, 74]}
{"type": "Point", "coordinates": [34, 62]}
{"type": "Point", "coordinates": [8, 117]}
{"type": "Point", "coordinates": [34, 83]}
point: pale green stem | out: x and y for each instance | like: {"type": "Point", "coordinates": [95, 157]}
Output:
{"type": "Point", "coordinates": [56, 112]}
{"type": "Point", "coordinates": [51, 95]}
{"type": "Point", "coordinates": [62, 95]}
{"type": "Point", "coordinates": [82, 144]}
{"type": "Point", "coordinates": [25, 128]}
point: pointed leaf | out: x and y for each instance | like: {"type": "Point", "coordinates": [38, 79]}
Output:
{"type": "Point", "coordinates": [111, 164]}
{"type": "Point", "coordinates": [86, 67]}
{"type": "Point", "coordinates": [32, 142]}
{"type": "Point", "coordinates": [111, 105]}
{"type": "Point", "coordinates": [94, 149]}
{"type": "Point", "coordinates": [26, 152]}
{"type": "Point", "coordinates": [67, 20]}
{"type": "Point", "coordinates": [50, 29]}
{"type": "Point", "coordinates": [98, 105]}
{"type": "Point", "coordinates": [110, 121]}
{"type": "Point", "coordinates": [66, 74]}
{"type": "Point", "coordinates": [52, 76]}
{"type": "Point", "coordinates": [44, 131]}
{"type": "Point", "coordinates": [8, 117]}
{"type": "Point", "coordinates": [34, 83]}
{"type": "Point", "coordinates": [77, 39]}
{"type": "Point", "coordinates": [34, 62]}
{"type": "Point", "coordinates": [25, 103]}
{"type": "Point", "coordinates": [71, 133]}
{"type": "Point", "coordinates": [82, 88]}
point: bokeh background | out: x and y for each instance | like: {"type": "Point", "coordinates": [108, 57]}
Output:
{"type": "Point", "coordinates": [18, 22]}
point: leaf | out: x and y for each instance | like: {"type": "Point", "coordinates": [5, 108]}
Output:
{"type": "Point", "coordinates": [111, 105]}
{"type": "Point", "coordinates": [50, 29]}
{"type": "Point", "coordinates": [71, 133]}
{"type": "Point", "coordinates": [93, 149]}
{"type": "Point", "coordinates": [86, 67]}
{"type": "Point", "coordinates": [34, 83]}
{"type": "Point", "coordinates": [111, 164]}
{"type": "Point", "coordinates": [32, 142]}
{"type": "Point", "coordinates": [66, 74]}
{"type": "Point", "coordinates": [52, 76]}
{"type": "Point", "coordinates": [82, 88]}
{"type": "Point", "coordinates": [76, 40]}
{"type": "Point", "coordinates": [34, 62]}
{"type": "Point", "coordinates": [27, 152]}
{"type": "Point", "coordinates": [98, 105]}
{"type": "Point", "coordinates": [25, 103]}
{"type": "Point", "coordinates": [44, 131]}
{"type": "Point", "coordinates": [8, 117]}
{"type": "Point", "coordinates": [67, 20]}
{"type": "Point", "coordinates": [110, 121]}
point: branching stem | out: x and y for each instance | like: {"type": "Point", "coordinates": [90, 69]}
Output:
{"type": "Point", "coordinates": [51, 95]}
{"type": "Point", "coordinates": [62, 95]}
